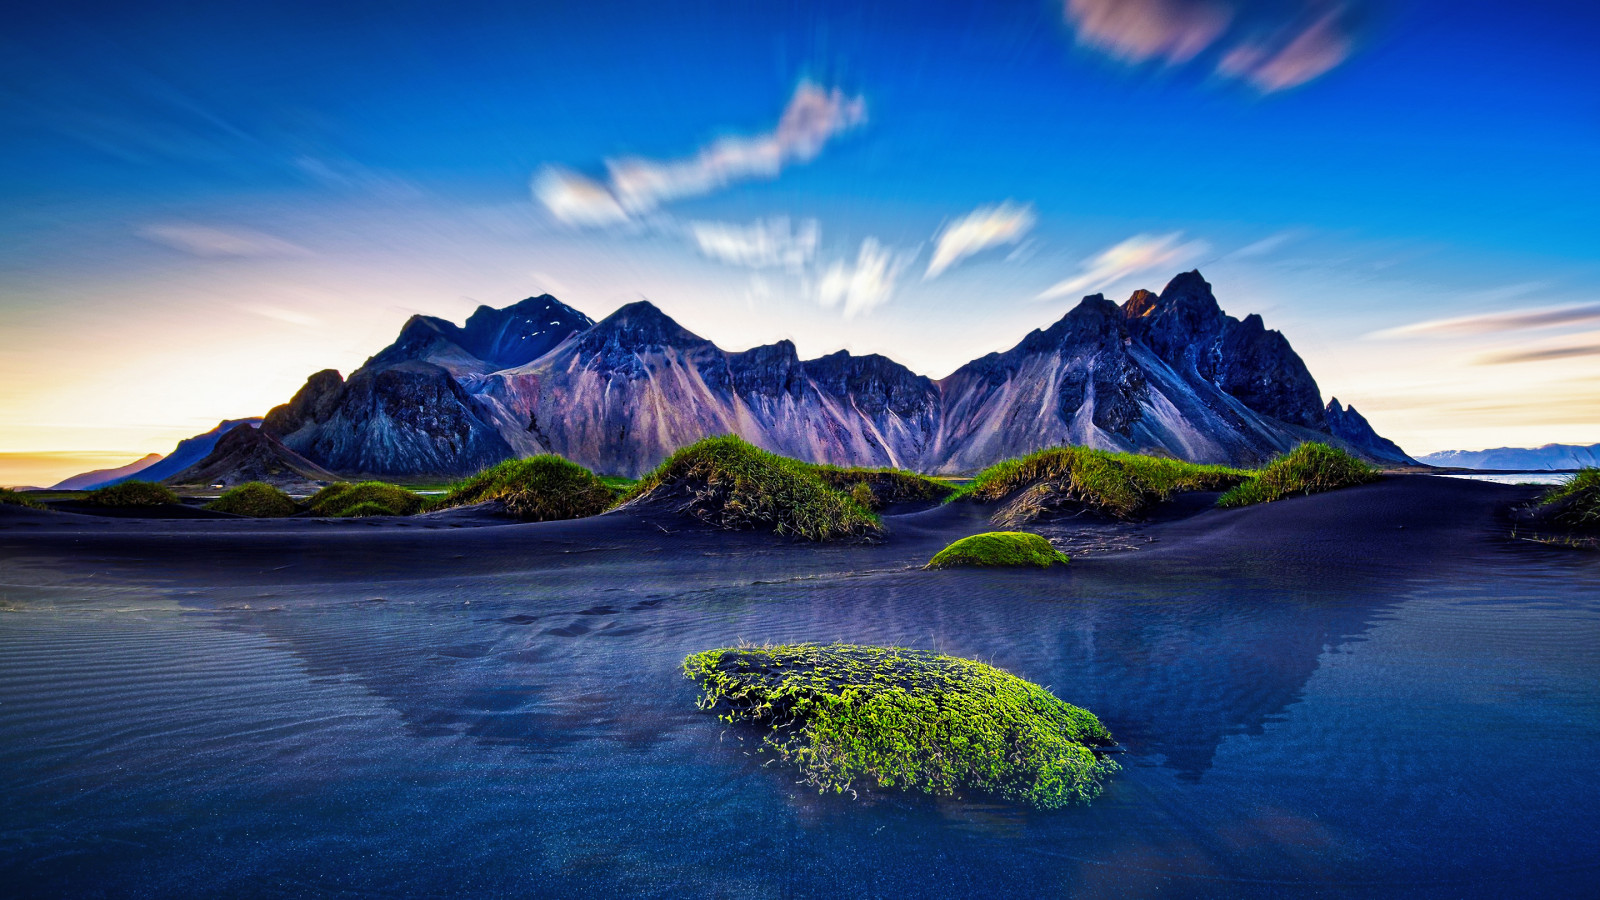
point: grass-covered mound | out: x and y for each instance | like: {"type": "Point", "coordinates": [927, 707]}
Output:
{"type": "Point", "coordinates": [367, 498]}
{"type": "Point", "coordinates": [1310, 468]}
{"type": "Point", "coordinates": [256, 499]}
{"type": "Point", "coordinates": [728, 483]}
{"type": "Point", "coordinates": [850, 716]}
{"type": "Point", "coordinates": [877, 488]}
{"type": "Point", "coordinates": [537, 489]}
{"type": "Point", "coordinates": [132, 493]}
{"type": "Point", "coordinates": [1574, 505]}
{"type": "Point", "coordinates": [1073, 479]}
{"type": "Point", "coordinates": [999, 548]}
{"type": "Point", "coordinates": [8, 497]}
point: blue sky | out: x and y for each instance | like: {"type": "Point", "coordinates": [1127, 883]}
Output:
{"type": "Point", "coordinates": [200, 207]}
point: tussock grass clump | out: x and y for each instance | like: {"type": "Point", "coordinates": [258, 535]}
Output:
{"type": "Point", "coordinates": [537, 489]}
{"type": "Point", "coordinates": [876, 488]}
{"type": "Point", "coordinates": [371, 498]}
{"type": "Point", "coordinates": [9, 497]}
{"type": "Point", "coordinates": [1121, 485]}
{"type": "Point", "coordinates": [999, 548]}
{"type": "Point", "coordinates": [1310, 468]}
{"type": "Point", "coordinates": [884, 717]}
{"type": "Point", "coordinates": [132, 493]}
{"type": "Point", "coordinates": [256, 499]}
{"type": "Point", "coordinates": [1575, 504]}
{"type": "Point", "coordinates": [726, 482]}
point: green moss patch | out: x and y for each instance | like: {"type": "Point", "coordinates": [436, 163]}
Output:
{"type": "Point", "coordinates": [876, 488]}
{"type": "Point", "coordinates": [999, 548]}
{"type": "Point", "coordinates": [9, 497]}
{"type": "Point", "coordinates": [368, 498]}
{"type": "Point", "coordinates": [132, 493]}
{"type": "Point", "coordinates": [1310, 468]}
{"type": "Point", "coordinates": [256, 499]}
{"type": "Point", "coordinates": [728, 483]}
{"type": "Point", "coordinates": [1074, 479]}
{"type": "Point", "coordinates": [537, 489]}
{"type": "Point", "coordinates": [1575, 504]}
{"type": "Point", "coordinates": [852, 717]}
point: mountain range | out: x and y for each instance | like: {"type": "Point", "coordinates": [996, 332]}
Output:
{"type": "Point", "coordinates": [155, 467]}
{"type": "Point", "coordinates": [1166, 373]}
{"type": "Point", "coordinates": [1520, 459]}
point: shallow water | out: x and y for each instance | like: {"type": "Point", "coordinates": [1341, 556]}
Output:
{"type": "Point", "coordinates": [1520, 478]}
{"type": "Point", "coordinates": [530, 733]}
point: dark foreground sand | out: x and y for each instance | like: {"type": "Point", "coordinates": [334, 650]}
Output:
{"type": "Point", "coordinates": [1404, 523]}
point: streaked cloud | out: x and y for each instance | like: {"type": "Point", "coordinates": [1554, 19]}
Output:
{"type": "Point", "coordinates": [868, 283]}
{"type": "Point", "coordinates": [1273, 46]}
{"type": "Point", "coordinates": [1137, 254]}
{"type": "Point", "coordinates": [984, 227]}
{"type": "Point", "coordinates": [636, 185]}
{"type": "Point", "coordinates": [762, 244]}
{"type": "Point", "coordinates": [1539, 354]}
{"type": "Point", "coordinates": [291, 316]}
{"type": "Point", "coordinates": [1494, 323]}
{"type": "Point", "coordinates": [208, 241]}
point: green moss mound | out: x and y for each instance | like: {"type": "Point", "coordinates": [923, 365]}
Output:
{"type": "Point", "coordinates": [132, 493]}
{"type": "Point", "coordinates": [1120, 485]}
{"type": "Point", "coordinates": [341, 499]}
{"type": "Point", "coordinates": [883, 717]}
{"type": "Point", "coordinates": [537, 489]}
{"type": "Point", "coordinates": [876, 488]}
{"type": "Point", "coordinates": [256, 499]}
{"type": "Point", "coordinates": [8, 497]}
{"type": "Point", "coordinates": [1575, 504]}
{"type": "Point", "coordinates": [999, 548]}
{"type": "Point", "coordinates": [730, 484]}
{"type": "Point", "coordinates": [1310, 468]}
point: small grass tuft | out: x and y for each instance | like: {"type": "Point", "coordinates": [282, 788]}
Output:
{"type": "Point", "coordinates": [999, 548]}
{"type": "Point", "coordinates": [726, 482]}
{"type": "Point", "coordinates": [340, 500]}
{"type": "Point", "coordinates": [887, 717]}
{"type": "Point", "coordinates": [256, 499]}
{"type": "Point", "coordinates": [537, 489]}
{"type": "Point", "coordinates": [132, 493]}
{"type": "Point", "coordinates": [1310, 468]}
{"type": "Point", "coordinates": [8, 497]}
{"type": "Point", "coordinates": [1575, 504]}
{"type": "Point", "coordinates": [1120, 485]}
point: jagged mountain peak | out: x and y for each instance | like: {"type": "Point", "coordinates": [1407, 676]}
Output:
{"type": "Point", "coordinates": [640, 325]}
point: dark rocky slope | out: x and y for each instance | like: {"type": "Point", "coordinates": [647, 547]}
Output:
{"type": "Point", "coordinates": [250, 454]}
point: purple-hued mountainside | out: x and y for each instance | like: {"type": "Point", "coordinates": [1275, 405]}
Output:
{"type": "Point", "coordinates": [1168, 374]}
{"type": "Point", "coordinates": [188, 452]}
{"type": "Point", "coordinates": [1519, 459]}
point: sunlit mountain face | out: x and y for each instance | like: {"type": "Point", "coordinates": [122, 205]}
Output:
{"type": "Point", "coordinates": [202, 207]}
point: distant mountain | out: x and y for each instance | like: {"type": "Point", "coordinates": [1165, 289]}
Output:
{"type": "Point", "coordinates": [1550, 456]}
{"type": "Point", "coordinates": [1165, 373]}
{"type": "Point", "coordinates": [88, 481]}
{"type": "Point", "coordinates": [250, 454]}
{"type": "Point", "coordinates": [1353, 428]}
{"type": "Point", "coordinates": [188, 452]}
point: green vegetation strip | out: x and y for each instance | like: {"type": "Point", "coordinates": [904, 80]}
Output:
{"type": "Point", "coordinates": [1310, 468]}
{"type": "Point", "coordinates": [887, 717]}
{"type": "Point", "coordinates": [256, 499]}
{"type": "Point", "coordinates": [368, 498]}
{"type": "Point", "coordinates": [726, 482]}
{"type": "Point", "coordinates": [1121, 485]}
{"type": "Point", "coordinates": [133, 493]}
{"type": "Point", "coordinates": [537, 489]}
{"type": "Point", "coordinates": [874, 489]}
{"type": "Point", "coordinates": [1575, 504]}
{"type": "Point", "coordinates": [9, 497]}
{"type": "Point", "coordinates": [999, 548]}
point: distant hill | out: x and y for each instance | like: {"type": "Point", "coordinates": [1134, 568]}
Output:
{"type": "Point", "coordinates": [249, 454]}
{"type": "Point", "coordinates": [1550, 456]}
{"type": "Point", "coordinates": [1166, 373]}
{"type": "Point", "coordinates": [188, 452]}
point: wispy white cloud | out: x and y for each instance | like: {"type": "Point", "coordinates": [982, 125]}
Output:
{"type": "Point", "coordinates": [1139, 253]}
{"type": "Point", "coordinates": [984, 227]}
{"type": "Point", "coordinates": [866, 284]}
{"type": "Point", "coordinates": [1273, 46]}
{"type": "Point", "coordinates": [636, 186]}
{"type": "Point", "coordinates": [205, 240]}
{"type": "Point", "coordinates": [1269, 244]}
{"type": "Point", "coordinates": [1293, 60]}
{"type": "Point", "coordinates": [278, 313]}
{"type": "Point", "coordinates": [1496, 323]}
{"type": "Point", "coordinates": [761, 244]}
{"type": "Point", "coordinates": [1539, 354]}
